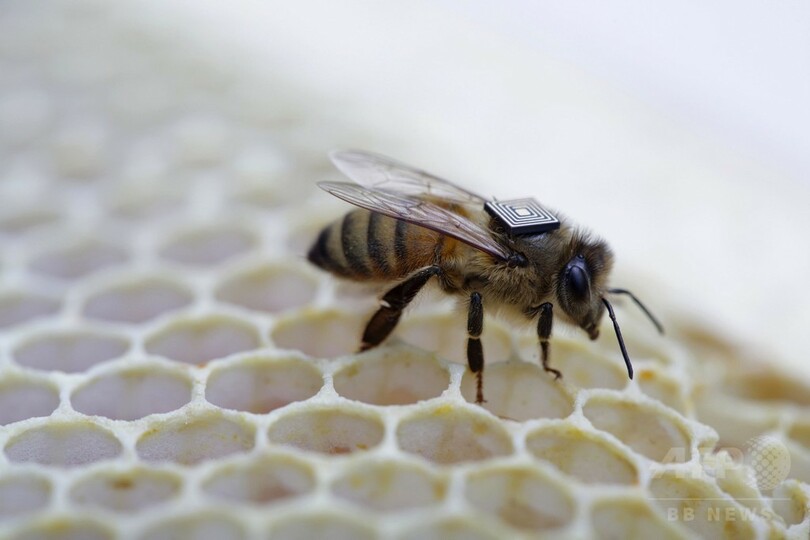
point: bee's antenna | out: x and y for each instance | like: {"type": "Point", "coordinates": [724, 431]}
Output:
{"type": "Point", "coordinates": [619, 337]}
{"type": "Point", "coordinates": [646, 311]}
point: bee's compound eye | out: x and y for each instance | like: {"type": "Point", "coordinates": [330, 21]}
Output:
{"type": "Point", "coordinates": [578, 282]}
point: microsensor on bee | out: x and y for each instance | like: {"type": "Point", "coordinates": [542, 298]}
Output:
{"type": "Point", "coordinates": [522, 216]}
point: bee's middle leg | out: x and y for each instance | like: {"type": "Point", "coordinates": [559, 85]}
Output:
{"type": "Point", "coordinates": [544, 333]}
{"type": "Point", "coordinates": [384, 321]}
{"type": "Point", "coordinates": [475, 352]}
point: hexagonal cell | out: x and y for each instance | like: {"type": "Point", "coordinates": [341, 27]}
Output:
{"type": "Point", "coordinates": [209, 247]}
{"type": "Point", "coordinates": [138, 102]}
{"type": "Point", "coordinates": [269, 288]}
{"type": "Point", "coordinates": [666, 390]}
{"type": "Point", "coordinates": [451, 434]}
{"type": "Point", "coordinates": [24, 115]}
{"type": "Point", "coordinates": [386, 486]}
{"type": "Point", "coordinates": [24, 222]}
{"type": "Point", "coordinates": [466, 528]}
{"type": "Point", "coordinates": [630, 518]}
{"type": "Point", "coordinates": [446, 335]}
{"type": "Point", "coordinates": [581, 363]}
{"type": "Point", "coordinates": [726, 466]}
{"type": "Point", "coordinates": [767, 385]}
{"type": "Point", "coordinates": [328, 431]}
{"type": "Point", "coordinates": [262, 197]}
{"type": "Point", "coordinates": [646, 430]}
{"type": "Point", "coordinates": [65, 528]}
{"type": "Point", "coordinates": [701, 507]}
{"type": "Point", "coordinates": [206, 525]}
{"type": "Point", "coordinates": [17, 308]}
{"type": "Point", "coordinates": [519, 391]}
{"type": "Point", "coordinates": [143, 204]}
{"type": "Point", "coordinates": [799, 465]}
{"type": "Point", "coordinates": [126, 491]}
{"type": "Point", "coordinates": [583, 455]}
{"type": "Point", "coordinates": [261, 385]}
{"type": "Point", "coordinates": [791, 502]}
{"type": "Point", "coordinates": [70, 352]}
{"type": "Point", "coordinates": [320, 525]}
{"type": "Point", "coordinates": [201, 140]}
{"type": "Point", "coordinates": [137, 301]}
{"type": "Point", "coordinates": [710, 346]}
{"type": "Point", "coordinates": [79, 69]}
{"type": "Point", "coordinates": [736, 420]}
{"type": "Point", "coordinates": [194, 439]}
{"type": "Point", "coordinates": [264, 173]}
{"type": "Point", "coordinates": [521, 497]}
{"type": "Point", "coordinates": [264, 480]}
{"type": "Point", "coordinates": [23, 398]}
{"type": "Point", "coordinates": [392, 376]}
{"type": "Point", "coordinates": [132, 393]}
{"type": "Point", "coordinates": [63, 445]}
{"type": "Point", "coordinates": [800, 432]}
{"type": "Point", "coordinates": [78, 260]}
{"type": "Point", "coordinates": [79, 149]}
{"type": "Point", "coordinates": [198, 341]}
{"type": "Point", "coordinates": [322, 334]}
{"type": "Point", "coordinates": [23, 493]}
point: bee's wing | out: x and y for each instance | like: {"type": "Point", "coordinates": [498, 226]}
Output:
{"type": "Point", "coordinates": [383, 173]}
{"type": "Point", "coordinates": [419, 212]}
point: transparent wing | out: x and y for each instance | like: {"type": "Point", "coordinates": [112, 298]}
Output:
{"type": "Point", "coordinates": [383, 173]}
{"type": "Point", "coordinates": [419, 212]}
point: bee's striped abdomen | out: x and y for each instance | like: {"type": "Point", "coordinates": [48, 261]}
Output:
{"type": "Point", "coordinates": [340, 247]}
{"type": "Point", "coordinates": [353, 233]}
{"type": "Point", "coordinates": [369, 245]}
{"type": "Point", "coordinates": [325, 254]}
{"type": "Point", "coordinates": [356, 246]}
{"type": "Point", "coordinates": [380, 244]}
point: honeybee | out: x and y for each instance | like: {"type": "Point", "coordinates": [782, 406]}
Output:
{"type": "Point", "coordinates": [512, 256]}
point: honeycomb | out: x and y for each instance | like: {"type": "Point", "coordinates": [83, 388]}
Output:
{"type": "Point", "coordinates": [170, 366]}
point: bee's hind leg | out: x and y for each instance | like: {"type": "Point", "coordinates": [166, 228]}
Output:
{"type": "Point", "coordinates": [544, 332]}
{"type": "Point", "coordinates": [475, 352]}
{"type": "Point", "coordinates": [384, 321]}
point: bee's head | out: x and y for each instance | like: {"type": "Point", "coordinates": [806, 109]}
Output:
{"type": "Point", "coordinates": [582, 282]}
{"type": "Point", "coordinates": [582, 287]}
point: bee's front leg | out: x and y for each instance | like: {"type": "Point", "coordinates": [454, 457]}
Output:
{"type": "Point", "coordinates": [385, 319]}
{"type": "Point", "coordinates": [475, 352]}
{"type": "Point", "coordinates": [544, 332]}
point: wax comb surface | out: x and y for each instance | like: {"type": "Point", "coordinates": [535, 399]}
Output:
{"type": "Point", "coordinates": [170, 366]}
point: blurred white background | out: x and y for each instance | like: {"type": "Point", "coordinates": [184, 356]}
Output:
{"type": "Point", "coordinates": [678, 130]}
